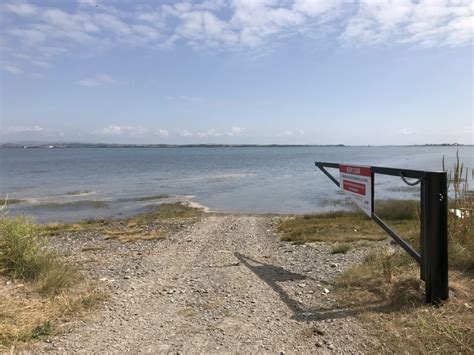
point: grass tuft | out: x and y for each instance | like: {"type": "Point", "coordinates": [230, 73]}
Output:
{"type": "Point", "coordinates": [397, 209]}
{"type": "Point", "coordinates": [24, 255]}
{"type": "Point", "coordinates": [341, 248]}
{"type": "Point", "coordinates": [41, 287]}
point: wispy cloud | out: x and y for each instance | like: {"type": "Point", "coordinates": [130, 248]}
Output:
{"type": "Point", "coordinates": [289, 133]}
{"type": "Point", "coordinates": [49, 30]}
{"type": "Point", "coordinates": [163, 133]}
{"type": "Point", "coordinates": [184, 98]}
{"type": "Point", "coordinates": [117, 130]}
{"type": "Point", "coordinates": [98, 80]}
{"type": "Point", "coordinates": [21, 129]}
{"type": "Point", "coordinates": [12, 69]}
{"type": "Point", "coordinates": [185, 134]}
{"type": "Point", "coordinates": [406, 132]}
{"type": "Point", "coordinates": [232, 132]}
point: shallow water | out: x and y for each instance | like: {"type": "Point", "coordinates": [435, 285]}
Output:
{"type": "Point", "coordinates": [262, 179]}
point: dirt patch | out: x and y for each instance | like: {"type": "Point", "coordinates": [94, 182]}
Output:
{"type": "Point", "coordinates": [220, 283]}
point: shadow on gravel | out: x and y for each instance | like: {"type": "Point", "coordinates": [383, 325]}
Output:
{"type": "Point", "coordinates": [271, 275]}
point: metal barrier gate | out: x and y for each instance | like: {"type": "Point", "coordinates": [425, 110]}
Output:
{"type": "Point", "coordinates": [433, 256]}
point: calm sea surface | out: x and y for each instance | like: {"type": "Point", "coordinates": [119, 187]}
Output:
{"type": "Point", "coordinates": [223, 179]}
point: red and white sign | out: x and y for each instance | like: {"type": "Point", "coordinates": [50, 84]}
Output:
{"type": "Point", "coordinates": [357, 182]}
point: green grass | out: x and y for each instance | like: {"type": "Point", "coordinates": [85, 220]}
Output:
{"type": "Point", "coordinates": [10, 201]}
{"type": "Point", "coordinates": [341, 248]}
{"type": "Point", "coordinates": [45, 289]}
{"type": "Point", "coordinates": [132, 228]}
{"type": "Point", "coordinates": [41, 331]}
{"type": "Point", "coordinates": [78, 192]}
{"type": "Point", "coordinates": [24, 254]}
{"type": "Point", "coordinates": [147, 198]}
{"type": "Point", "coordinates": [353, 226]}
{"type": "Point", "coordinates": [393, 210]}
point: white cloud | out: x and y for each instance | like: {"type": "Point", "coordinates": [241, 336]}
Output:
{"type": "Point", "coordinates": [232, 132]}
{"type": "Point", "coordinates": [21, 8]}
{"type": "Point", "coordinates": [184, 98]}
{"type": "Point", "coordinates": [288, 133]}
{"type": "Point", "coordinates": [98, 80]}
{"type": "Point", "coordinates": [406, 132]}
{"type": "Point", "coordinates": [48, 29]}
{"type": "Point", "coordinates": [315, 8]}
{"type": "Point", "coordinates": [163, 133]}
{"type": "Point", "coordinates": [22, 129]}
{"type": "Point", "coordinates": [116, 130]}
{"type": "Point", "coordinates": [31, 36]}
{"type": "Point", "coordinates": [185, 133]}
{"type": "Point", "coordinates": [426, 23]}
{"type": "Point", "coordinates": [40, 63]}
{"type": "Point", "coordinates": [12, 69]}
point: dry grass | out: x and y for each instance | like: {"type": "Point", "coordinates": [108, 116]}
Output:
{"type": "Point", "coordinates": [133, 228]}
{"type": "Point", "coordinates": [132, 235]}
{"type": "Point", "coordinates": [38, 288]}
{"type": "Point", "coordinates": [385, 292]}
{"type": "Point", "coordinates": [350, 226]}
{"type": "Point", "coordinates": [26, 316]}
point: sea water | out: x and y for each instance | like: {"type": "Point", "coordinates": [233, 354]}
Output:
{"type": "Point", "coordinates": [78, 183]}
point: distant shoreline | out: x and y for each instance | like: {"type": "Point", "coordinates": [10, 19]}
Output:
{"type": "Point", "coordinates": [63, 145]}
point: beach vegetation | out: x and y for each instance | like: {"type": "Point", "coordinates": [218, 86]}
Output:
{"type": "Point", "coordinates": [78, 192]}
{"type": "Point", "coordinates": [341, 248]}
{"type": "Point", "coordinates": [386, 292]}
{"type": "Point", "coordinates": [353, 225]}
{"type": "Point", "coordinates": [9, 201]}
{"type": "Point", "coordinates": [146, 198]}
{"type": "Point", "coordinates": [38, 286]}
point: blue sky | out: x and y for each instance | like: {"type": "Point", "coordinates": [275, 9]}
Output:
{"type": "Point", "coordinates": [238, 71]}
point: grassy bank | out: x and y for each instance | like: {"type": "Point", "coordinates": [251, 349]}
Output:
{"type": "Point", "coordinates": [38, 287]}
{"type": "Point", "coordinates": [352, 226]}
{"type": "Point", "coordinates": [155, 223]}
{"type": "Point", "coordinates": [385, 290]}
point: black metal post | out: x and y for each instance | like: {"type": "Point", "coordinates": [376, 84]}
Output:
{"type": "Point", "coordinates": [435, 238]}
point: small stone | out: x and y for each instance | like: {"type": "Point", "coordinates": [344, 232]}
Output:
{"type": "Point", "coordinates": [326, 290]}
{"type": "Point", "coordinates": [126, 277]}
{"type": "Point", "coordinates": [302, 285]}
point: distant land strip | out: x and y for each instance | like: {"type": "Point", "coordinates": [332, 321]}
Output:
{"type": "Point", "coordinates": [62, 145]}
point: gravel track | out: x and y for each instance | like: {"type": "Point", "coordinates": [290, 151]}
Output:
{"type": "Point", "coordinates": [224, 283]}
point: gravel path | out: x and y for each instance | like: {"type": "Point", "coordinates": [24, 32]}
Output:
{"type": "Point", "coordinates": [222, 284]}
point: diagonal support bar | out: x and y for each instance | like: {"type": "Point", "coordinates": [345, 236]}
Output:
{"type": "Point", "coordinates": [321, 167]}
{"type": "Point", "coordinates": [408, 248]}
